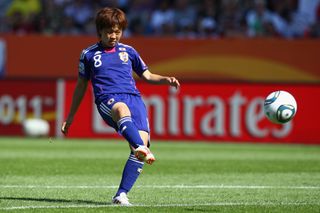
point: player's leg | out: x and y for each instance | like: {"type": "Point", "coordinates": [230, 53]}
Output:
{"type": "Point", "coordinates": [130, 174]}
{"type": "Point", "coordinates": [122, 116]}
{"type": "Point", "coordinates": [118, 115]}
{"type": "Point", "coordinates": [134, 166]}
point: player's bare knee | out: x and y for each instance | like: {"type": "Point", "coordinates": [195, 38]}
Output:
{"type": "Point", "coordinates": [120, 110]}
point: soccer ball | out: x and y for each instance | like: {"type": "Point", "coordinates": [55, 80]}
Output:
{"type": "Point", "coordinates": [280, 107]}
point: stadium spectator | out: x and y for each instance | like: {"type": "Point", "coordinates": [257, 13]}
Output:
{"type": "Point", "coordinates": [231, 19]}
{"type": "Point", "coordinates": [287, 20]}
{"type": "Point", "coordinates": [258, 20]}
{"type": "Point", "coordinates": [80, 12]}
{"type": "Point", "coordinates": [180, 18]}
{"type": "Point", "coordinates": [139, 16]}
{"type": "Point", "coordinates": [185, 19]}
{"type": "Point", "coordinates": [162, 19]}
{"type": "Point", "coordinates": [206, 23]}
{"type": "Point", "coordinates": [3, 18]}
{"type": "Point", "coordinates": [50, 18]}
{"type": "Point", "coordinates": [315, 28]}
{"type": "Point", "coordinates": [308, 9]}
{"type": "Point", "coordinates": [22, 15]}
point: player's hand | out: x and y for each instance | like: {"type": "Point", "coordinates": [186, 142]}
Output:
{"type": "Point", "coordinates": [65, 127]}
{"type": "Point", "coordinates": [173, 82]}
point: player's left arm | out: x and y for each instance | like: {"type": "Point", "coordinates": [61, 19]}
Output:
{"type": "Point", "coordinates": [159, 79]}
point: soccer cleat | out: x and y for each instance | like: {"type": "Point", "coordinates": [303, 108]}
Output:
{"type": "Point", "coordinates": [121, 200]}
{"type": "Point", "coordinates": [144, 154]}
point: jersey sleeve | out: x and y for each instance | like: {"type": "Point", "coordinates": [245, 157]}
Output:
{"type": "Point", "coordinates": [138, 64]}
{"type": "Point", "coordinates": [83, 68]}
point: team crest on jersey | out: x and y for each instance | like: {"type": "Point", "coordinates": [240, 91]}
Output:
{"type": "Point", "coordinates": [124, 57]}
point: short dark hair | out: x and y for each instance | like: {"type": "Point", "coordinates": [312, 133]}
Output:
{"type": "Point", "coordinates": [109, 17]}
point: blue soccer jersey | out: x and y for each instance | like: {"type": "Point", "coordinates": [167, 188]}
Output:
{"type": "Point", "coordinates": [110, 71]}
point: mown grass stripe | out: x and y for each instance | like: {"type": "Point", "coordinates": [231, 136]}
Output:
{"type": "Point", "coordinates": [162, 186]}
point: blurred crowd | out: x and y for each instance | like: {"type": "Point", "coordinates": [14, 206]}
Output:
{"type": "Point", "coordinates": [179, 18]}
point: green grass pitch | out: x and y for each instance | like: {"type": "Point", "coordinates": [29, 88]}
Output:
{"type": "Point", "coordinates": [37, 175]}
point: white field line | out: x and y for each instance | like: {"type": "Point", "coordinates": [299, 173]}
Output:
{"type": "Point", "coordinates": [160, 187]}
{"type": "Point", "coordinates": [163, 205]}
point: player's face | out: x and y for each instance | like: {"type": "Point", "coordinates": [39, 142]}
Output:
{"type": "Point", "coordinates": [110, 37]}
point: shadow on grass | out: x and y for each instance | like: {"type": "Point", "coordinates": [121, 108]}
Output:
{"type": "Point", "coordinates": [51, 200]}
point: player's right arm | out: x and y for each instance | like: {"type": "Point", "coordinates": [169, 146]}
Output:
{"type": "Point", "coordinates": [78, 94]}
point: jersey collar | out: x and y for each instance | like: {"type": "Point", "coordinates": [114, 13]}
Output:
{"type": "Point", "coordinates": [108, 50]}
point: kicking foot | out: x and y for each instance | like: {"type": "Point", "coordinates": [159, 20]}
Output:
{"type": "Point", "coordinates": [144, 154]}
{"type": "Point", "coordinates": [121, 200]}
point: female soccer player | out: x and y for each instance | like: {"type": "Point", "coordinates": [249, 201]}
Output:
{"type": "Point", "coordinates": [109, 65]}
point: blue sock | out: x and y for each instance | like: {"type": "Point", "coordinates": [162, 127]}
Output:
{"type": "Point", "coordinates": [130, 174]}
{"type": "Point", "coordinates": [130, 132]}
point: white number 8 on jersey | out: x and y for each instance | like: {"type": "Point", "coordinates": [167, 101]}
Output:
{"type": "Point", "coordinates": [97, 60]}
